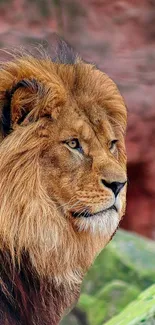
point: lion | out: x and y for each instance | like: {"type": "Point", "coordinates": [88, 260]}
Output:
{"type": "Point", "coordinates": [62, 180]}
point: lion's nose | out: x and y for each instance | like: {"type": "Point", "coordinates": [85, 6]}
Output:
{"type": "Point", "coordinates": [114, 186]}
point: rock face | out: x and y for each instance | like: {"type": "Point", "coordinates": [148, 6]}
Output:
{"type": "Point", "coordinates": [119, 35]}
{"type": "Point", "coordinates": [121, 271]}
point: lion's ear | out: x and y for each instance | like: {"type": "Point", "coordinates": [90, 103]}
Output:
{"type": "Point", "coordinates": [17, 103]}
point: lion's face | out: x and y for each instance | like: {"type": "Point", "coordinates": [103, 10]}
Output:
{"type": "Point", "coordinates": [84, 175]}
{"type": "Point", "coordinates": [85, 159]}
{"type": "Point", "coordinates": [62, 162]}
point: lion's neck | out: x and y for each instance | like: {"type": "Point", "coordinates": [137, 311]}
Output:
{"type": "Point", "coordinates": [25, 300]}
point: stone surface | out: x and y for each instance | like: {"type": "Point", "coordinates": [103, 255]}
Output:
{"type": "Point", "coordinates": [119, 35]}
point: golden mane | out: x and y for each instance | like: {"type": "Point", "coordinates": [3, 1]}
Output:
{"type": "Point", "coordinates": [38, 97]}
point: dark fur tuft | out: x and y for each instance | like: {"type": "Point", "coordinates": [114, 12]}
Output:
{"type": "Point", "coordinates": [33, 86]}
{"type": "Point", "coordinates": [24, 300]}
{"type": "Point", "coordinates": [65, 54]}
{"type": "Point", "coordinates": [6, 115]}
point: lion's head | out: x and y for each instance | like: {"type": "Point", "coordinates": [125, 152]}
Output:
{"type": "Point", "coordinates": [62, 162]}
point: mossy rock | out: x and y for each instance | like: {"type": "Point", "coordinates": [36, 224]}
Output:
{"type": "Point", "coordinates": [139, 312]}
{"type": "Point", "coordinates": [128, 257]}
{"type": "Point", "coordinates": [109, 301]}
{"type": "Point", "coordinates": [124, 268]}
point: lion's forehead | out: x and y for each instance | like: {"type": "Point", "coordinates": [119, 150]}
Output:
{"type": "Point", "coordinates": [82, 125]}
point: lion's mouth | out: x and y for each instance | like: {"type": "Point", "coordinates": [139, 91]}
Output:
{"type": "Point", "coordinates": [87, 214]}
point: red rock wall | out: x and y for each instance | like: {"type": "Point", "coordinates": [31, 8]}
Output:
{"type": "Point", "coordinates": [120, 37]}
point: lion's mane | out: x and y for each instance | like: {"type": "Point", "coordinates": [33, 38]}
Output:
{"type": "Point", "coordinates": [42, 253]}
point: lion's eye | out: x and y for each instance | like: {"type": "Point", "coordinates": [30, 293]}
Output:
{"type": "Point", "coordinates": [74, 144]}
{"type": "Point", "coordinates": [113, 145]}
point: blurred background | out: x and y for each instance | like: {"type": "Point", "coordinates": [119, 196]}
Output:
{"type": "Point", "coordinates": [119, 36]}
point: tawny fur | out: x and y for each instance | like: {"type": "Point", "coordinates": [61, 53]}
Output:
{"type": "Point", "coordinates": [42, 181]}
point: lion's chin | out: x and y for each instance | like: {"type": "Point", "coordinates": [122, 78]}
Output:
{"type": "Point", "coordinates": [104, 222]}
